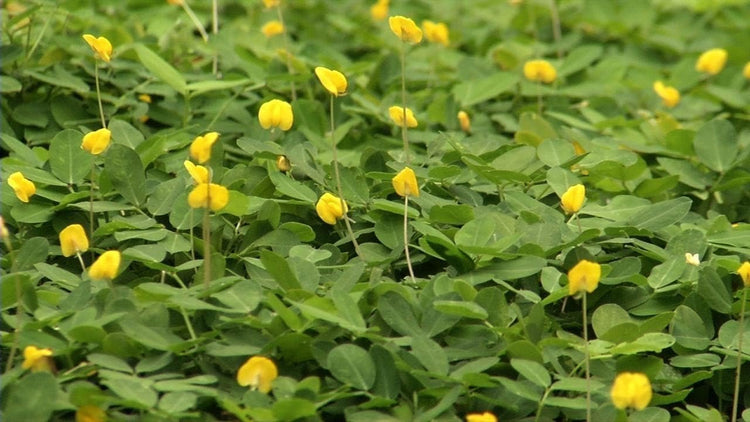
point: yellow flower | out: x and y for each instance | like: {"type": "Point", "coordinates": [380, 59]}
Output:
{"type": "Point", "coordinates": [539, 71]}
{"type": "Point", "coordinates": [73, 240]}
{"type": "Point", "coordinates": [258, 373]}
{"type": "Point", "coordinates": [405, 29]}
{"type": "Point", "coordinates": [692, 259]}
{"type": "Point", "coordinates": [631, 389]}
{"type": "Point", "coordinates": [198, 173]}
{"type": "Point", "coordinates": [4, 233]}
{"type": "Point", "coordinates": [464, 121]}
{"type": "Point", "coordinates": [481, 417]}
{"type": "Point", "coordinates": [405, 183]}
{"type": "Point", "coordinates": [207, 195]}
{"type": "Point", "coordinates": [397, 115]}
{"type": "Point", "coordinates": [145, 98]}
{"type": "Point", "coordinates": [101, 46]}
{"type": "Point", "coordinates": [276, 113]}
{"type": "Point", "coordinates": [175, 2]}
{"type": "Point", "coordinates": [90, 413]}
{"type": "Point", "coordinates": [333, 80]}
{"type": "Point", "coordinates": [271, 3]}
{"type": "Point", "coordinates": [379, 10]}
{"type": "Point", "coordinates": [712, 61]}
{"type": "Point", "coordinates": [669, 95]}
{"type": "Point", "coordinates": [283, 163]}
{"type": "Point", "coordinates": [23, 187]}
{"type": "Point", "coordinates": [272, 28]}
{"type": "Point", "coordinates": [200, 149]}
{"type": "Point", "coordinates": [436, 32]}
{"type": "Point", "coordinates": [744, 272]}
{"type": "Point", "coordinates": [572, 199]}
{"type": "Point", "coordinates": [106, 266]}
{"type": "Point", "coordinates": [746, 70]}
{"type": "Point", "coordinates": [329, 208]}
{"type": "Point", "coordinates": [584, 276]}
{"type": "Point", "coordinates": [97, 141]}
{"type": "Point", "coordinates": [37, 359]}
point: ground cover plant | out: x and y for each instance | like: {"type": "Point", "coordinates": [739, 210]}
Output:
{"type": "Point", "coordinates": [528, 210]}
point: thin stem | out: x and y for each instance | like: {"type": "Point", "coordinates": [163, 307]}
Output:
{"type": "Point", "coordinates": [196, 21]}
{"type": "Point", "coordinates": [80, 259]}
{"type": "Point", "coordinates": [99, 94]}
{"type": "Point", "coordinates": [539, 97]}
{"type": "Point", "coordinates": [188, 324]}
{"type": "Point", "coordinates": [207, 245]}
{"type": "Point", "coordinates": [406, 239]}
{"type": "Point", "coordinates": [735, 399]}
{"type": "Point", "coordinates": [339, 190]}
{"type": "Point", "coordinates": [556, 31]}
{"type": "Point", "coordinates": [586, 358]}
{"type": "Point", "coordinates": [215, 30]}
{"type": "Point", "coordinates": [287, 54]}
{"type": "Point", "coordinates": [91, 207]}
{"type": "Point", "coordinates": [403, 103]}
{"type": "Point", "coordinates": [192, 238]}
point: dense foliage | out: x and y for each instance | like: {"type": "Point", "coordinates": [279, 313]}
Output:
{"type": "Point", "coordinates": [158, 329]}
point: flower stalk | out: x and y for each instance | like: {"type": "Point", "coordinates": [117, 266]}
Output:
{"type": "Point", "coordinates": [339, 190]}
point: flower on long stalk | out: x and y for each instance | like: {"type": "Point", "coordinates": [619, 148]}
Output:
{"type": "Point", "coordinates": [669, 95]}
{"type": "Point", "coordinates": [271, 3]}
{"type": "Point", "coordinates": [332, 80]}
{"type": "Point", "coordinates": [379, 10]}
{"type": "Point", "coordinates": [73, 240]}
{"type": "Point", "coordinates": [106, 266]}
{"type": "Point", "coordinates": [539, 71]}
{"type": "Point", "coordinates": [198, 173]}
{"type": "Point", "coordinates": [584, 277]}
{"type": "Point", "coordinates": [464, 121]}
{"type": "Point", "coordinates": [436, 32]}
{"type": "Point", "coordinates": [631, 390]}
{"type": "Point", "coordinates": [272, 28]}
{"type": "Point", "coordinates": [23, 187]}
{"type": "Point", "coordinates": [37, 359]}
{"type": "Point", "coordinates": [481, 417]}
{"type": "Point", "coordinates": [405, 29]}
{"type": "Point", "coordinates": [276, 114]}
{"type": "Point", "coordinates": [209, 195]}
{"type": "Point", "coordinates": [572, 200]}
{"type": "Point", "coordinates": [90, 413]}
{"type": "Point", "coordinates": [746, 70]}
{"type": "Point", "coordinates": [101, 46]}
{"type": "Point", "coordinates": [329, 208]}
{"type": "Point", "coordinates": [405, 183]}
{"type": "Point", "coordinates": [397, 115]}
{"type": "Point", "coordinates": [200, 149]}
{"type": "Point", "coordinates": [258, 373]}
{"type": "Point", "coordinates": [96, 142]}
{"type": "Point", "coordinates": [712, 61]}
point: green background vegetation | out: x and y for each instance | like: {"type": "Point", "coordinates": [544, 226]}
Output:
{"type": "Point", "coordinates": [487, 325]}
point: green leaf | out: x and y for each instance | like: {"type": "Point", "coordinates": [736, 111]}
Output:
{"type": "Point", "coordinates": [667, 272]}
{"type": "Point", "coordinates": [124, 133]}
{"type": "Point", "coordinates": [476, 91]}
{"type": "Point", "coordinates": [177, 401]}
{"type": "Point", "coordinates": [67, 160]}
{"type": "Point", "coordinates": [398, 314]}
{"type": "Point", "coordinates": [662, 214]}
{"type": "Point", "coordinates": [32, 252]}
{"type": "Point", "coordinates": [533, 371]}
{"type": "Point", "coordinates": [243, 297]}
{"type": "Point", "coordinates": [430, 355]}
{"type": "Point", "coordinates": [715, 145]}
{"type": "Point", "coordinates": [125, 171]}
{"type": "Point", "coordinates": [292, 188]}
{"type": "Point", "coordinates": [293, 408]}
{"type": "Point", "coordinates": [555, 152]}
{"type": "Point", "coordinates": [460, 308]}
{"type": "Point", "coordinates": [714, 291]}
{"type": "Point", "coordinates": [161, 69]}
{"type": "Point", "coordinates": [688, 329]}
{"type": "Point", "coordinates": [352, 365]}
{"type": "Point", "coordinates": [279, 269]}
{"type": "Point", "coordinates": [32, 399]}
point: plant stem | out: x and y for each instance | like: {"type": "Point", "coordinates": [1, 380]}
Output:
{"type": "Point", "coordinates": [287, 54]}
{"type": "Point", "coordinates": [406, 239]}
{"type": "Point", "coordinates": [539, 98]}
{"type": "Point", "coordinates": [586, 358]}
{"type": "Point", "coordinates": [80, 259]}
{"type": "Point", "coordinates": [556, 31]}
{"type": "Point", "coordinates": [91, 207]}
{"type": "Point", "coordinates": [339, 190]}
{"type": "Point", "coordinates": [403, 103]}
{"type": "Point", "coordinates": [207, 245]}
{"type": "Point", "coordinates": [99, 94]}
{"type": "Point", "coordinates": [196, 21]}
{"type": "Point", "coordinates": [736, 397]}
{"type": "Point", "coordinates": [215, 30]}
